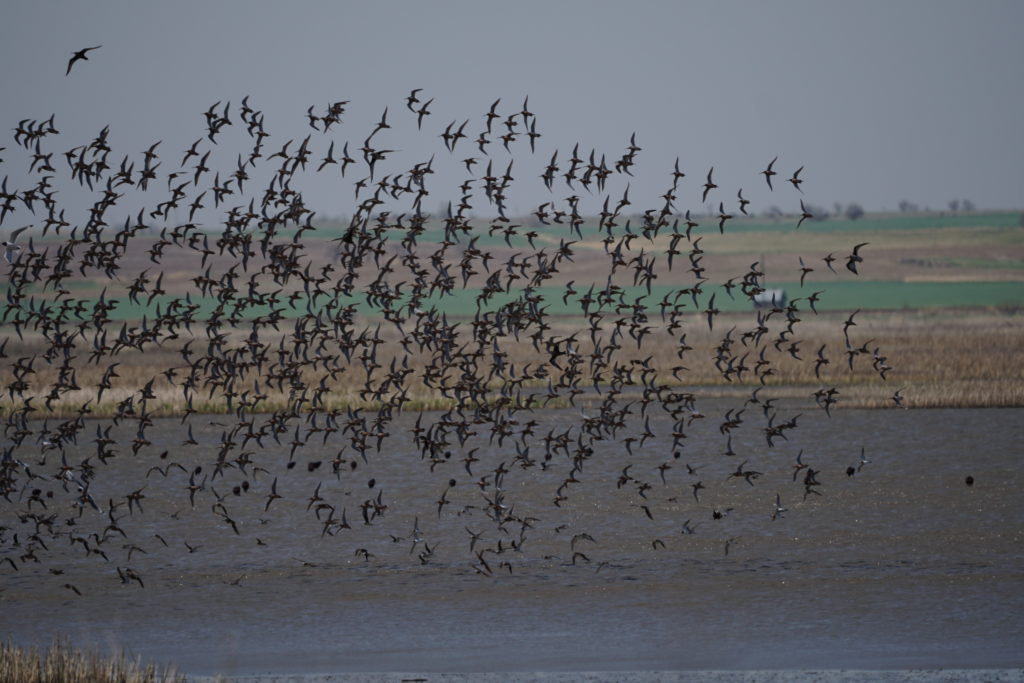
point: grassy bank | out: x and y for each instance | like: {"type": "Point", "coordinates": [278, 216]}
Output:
{"type": "Point", "coordinates": [942, 358]}
{"type": "Point", "coordinates": [61, 663]}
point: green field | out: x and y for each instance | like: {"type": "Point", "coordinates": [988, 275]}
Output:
{"type": "Point", "coordinates": [329, 228]}
{"type": "Point", "coordinates": [884, 222]}
{"type": "Point", "coordinates": [837, 296]}
{"type": "Point", "coordinates": [980, 242]}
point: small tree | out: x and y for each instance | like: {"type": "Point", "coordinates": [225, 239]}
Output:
{"type": "Point", "coordinates": [854, 211]}
{"type": "Point", "coordinates": [954, 205]}
{"type": "Point", "coordinates": [967, 205]}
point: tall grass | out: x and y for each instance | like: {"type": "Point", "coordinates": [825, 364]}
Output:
{"type": "Point", "coordinates": [61, 663]}
{"type": "Point", "coordinates": [944, 359]}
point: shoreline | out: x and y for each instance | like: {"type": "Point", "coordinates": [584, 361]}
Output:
{"type": "Point", "coordinates": [969, 360]}
{"type": "Point", "coordinates": [856, 396]}
{"type": "Point", "coordinates": [709, 676]}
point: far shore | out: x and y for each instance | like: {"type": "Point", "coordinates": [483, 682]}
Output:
{"type": "Point", "coordinates": [753, 676]}
{"type": "Point", "coordinates": [936, 359]}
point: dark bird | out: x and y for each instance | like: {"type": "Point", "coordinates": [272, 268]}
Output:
{"type": "Point", "coordinates": [743, 202]}
{"type": "Point", "coordinates": [804, 214]}
{"type": "Point", "coordinates": [722, 217]}
{"type": "Point", "coordinates": [804, 270]}
{"type": "Point", "coordinates": [768, 173]}
{"type": "Point", "coordinates": [820, 361]}
{"type": "Point", "coordinates": [829, 259]}
{"type": "Point", "coordinates": [412, 99]}
{"type": "Point", "coordinates": [897, 398]}
{"type": "Point", "coordinates": [711, 312]}
{"type": "Point", "coordinates": [81, 54]}
{"type": "Point", "coordinates": [421, 112]}
{"type": "Point", "coordinates": [272, 496]}
{"type": "Point", "coordinates": [853, 259]}
{"type": "Point", "coordinates": [796, 180]}
{"type": "Point", "coordinates": [709, 185]}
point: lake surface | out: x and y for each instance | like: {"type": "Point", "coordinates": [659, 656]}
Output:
{"type": "Point", "coordinates": [899, 565]}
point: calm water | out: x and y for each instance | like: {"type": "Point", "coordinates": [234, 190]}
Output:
{"type": "Point", "coordinates": [900, 565]}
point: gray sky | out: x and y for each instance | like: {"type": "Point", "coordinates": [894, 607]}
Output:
{"type": "Point", "coordinates": [880, 101]}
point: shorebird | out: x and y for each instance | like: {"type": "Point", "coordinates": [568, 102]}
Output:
{"type": "Point", "coordinates": [777, 512]}
{"type": "Point", "coordinates": [80, 55]}
{"type": "Point", "coordinates": [796, 180]}
{"type": "Point", "coordinates": [709, 185]}
{"type": "Point", "coordinates": [804, 214]}
{"type": "Point", "coordinates": [854, 258]}
{"type": "Point", "coordinates": [768, 173]}
{"type": "Point", "coordinates": [11, 248]}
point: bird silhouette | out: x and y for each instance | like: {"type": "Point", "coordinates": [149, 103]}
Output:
{"type": "Point", "coordinates": [80, 55]}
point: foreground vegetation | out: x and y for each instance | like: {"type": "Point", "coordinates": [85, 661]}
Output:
{"type": "Point", "coordinates": [63, 664]}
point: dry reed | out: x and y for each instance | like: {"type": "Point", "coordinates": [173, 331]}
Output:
{"type": "Point", "coordinates": [938, 359]}
{"type": "Point", "coordinates": [63, 664]}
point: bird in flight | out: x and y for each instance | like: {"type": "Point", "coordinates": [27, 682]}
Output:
{"type": "Point", "coordinates": [796, 179]}
{"type": "Point", "coordinates": [11, 248]}
{"type": "Point", "coordinates": [768, 173]}
{"type": "Point", "coordinates": [804, 214]}
{"type": "Point", "coordinates": [853, 259]}
{"type": "Point", "coordinates": [709, 185]}
{"type": "Point", "coordinates": [80, 54]}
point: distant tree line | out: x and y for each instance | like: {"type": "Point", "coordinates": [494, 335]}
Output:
{"type": "Point", "coordinates": [955, 205]}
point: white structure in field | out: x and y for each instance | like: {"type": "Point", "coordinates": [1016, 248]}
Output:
{"type": "Point", "coordinates": [770, 298]}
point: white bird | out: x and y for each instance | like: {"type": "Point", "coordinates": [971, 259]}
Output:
{"type": "Point", "coordinates": [863, 460]}
{"type": "Point", "coordinates": [10, 248]}
{"type": "Point", "coordinates": [778, 508]}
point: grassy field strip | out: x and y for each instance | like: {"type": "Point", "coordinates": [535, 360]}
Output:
{"type": "Point", "coordinates": [870, 222]}
{"type": "Point", "coordinates": [838, 296]}
{"type": "Point", "coordinates": [942, 358]}
{"type": "Point", "coordinates": [984, 222]}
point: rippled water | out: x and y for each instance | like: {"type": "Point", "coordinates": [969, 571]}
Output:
{"type": "Point", "coordinates": [899, 565]}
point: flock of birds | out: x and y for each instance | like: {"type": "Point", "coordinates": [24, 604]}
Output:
{"type": "Point", "coordinates": [280, 320]}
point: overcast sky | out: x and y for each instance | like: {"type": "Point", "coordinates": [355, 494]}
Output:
{"type": "Point", "coordinates": [880, 101]}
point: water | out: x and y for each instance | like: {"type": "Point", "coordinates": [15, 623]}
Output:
{"type": "Point", "coordinates": [901, 565]}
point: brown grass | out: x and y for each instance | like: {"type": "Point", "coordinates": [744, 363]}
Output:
{"type": "Point", "coordinates": [938, 359]}
{"type": "Point", "coordinates": [63, 664]}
